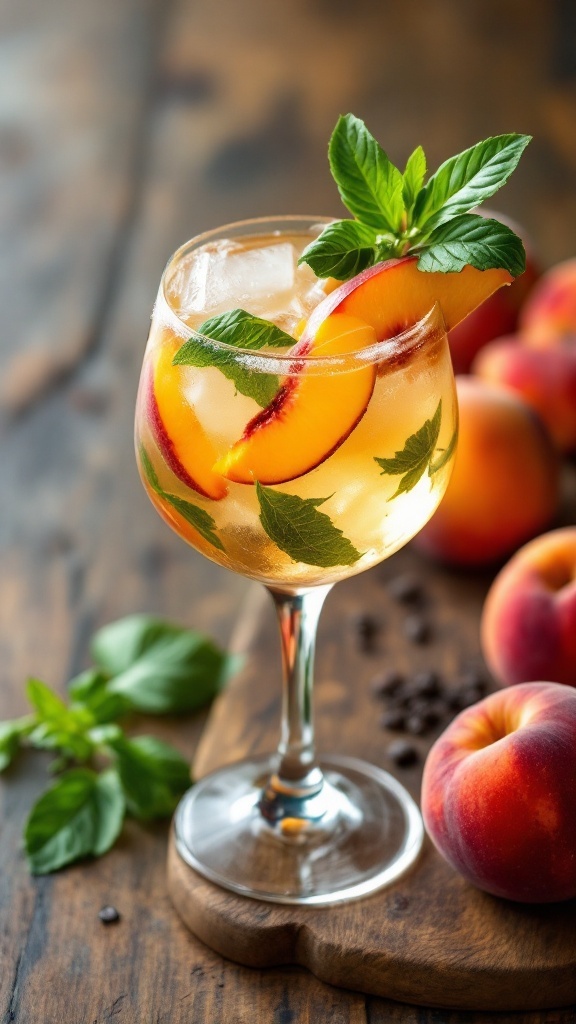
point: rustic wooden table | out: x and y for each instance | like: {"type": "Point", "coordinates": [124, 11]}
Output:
{"type": "Point", "coordinates": [127, 126]}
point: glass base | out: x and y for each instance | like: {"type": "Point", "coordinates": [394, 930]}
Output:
{"type": "Point", "coordinates": [368, 833]}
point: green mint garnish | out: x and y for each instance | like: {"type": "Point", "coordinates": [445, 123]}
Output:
{"type": "Point", "coordinates": [198, 517]}
{"type": "Point", "coordinates": [303, 533]}
{"type": "Point", "coordinates": [399, 215]}
{"type": "Point", "coordinates": [411, 463]}
{"type": "Point", "coordinates": [474, 240]}
{"type": "Point", "coordinates": [241, 330]}
{"type": "Point", "coordinates": [142, 664]}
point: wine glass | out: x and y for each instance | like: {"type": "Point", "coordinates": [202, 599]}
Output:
{"type": "Point", "coordinates": [292, 467]}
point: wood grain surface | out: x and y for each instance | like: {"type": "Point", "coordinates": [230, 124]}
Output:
{"type": "Point", "coordinates": [125, 127]}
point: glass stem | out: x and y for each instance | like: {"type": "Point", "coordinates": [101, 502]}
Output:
{"type": "Point", "coordinates": [294, 791]}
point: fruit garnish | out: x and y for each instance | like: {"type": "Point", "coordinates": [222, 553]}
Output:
{"type": "Point", "coordinates": [311, 415]}
{"type": "Point", "coordinates": [398, 214]}
{"type": "Point", "coordinates": [177, 431]}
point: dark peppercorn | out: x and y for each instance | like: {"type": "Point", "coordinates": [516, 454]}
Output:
{"type": "Point", "coordinates": [406, 589]}
{"type": "Point", "coordinates": [417, 629]}
{"type": "Point", "coordinates": [108, 915]}
{"type": "Point", "coordinates": [386, 683]}
{"type": "Point", "coordinates": [393, 719]}
{"type": "Point", "coordinates": [425, 684]}
{"type": "Point", "coordinates": [402, 753]}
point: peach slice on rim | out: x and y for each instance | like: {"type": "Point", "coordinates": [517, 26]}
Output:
{"type": "Point", "coordinates": [176, 429]}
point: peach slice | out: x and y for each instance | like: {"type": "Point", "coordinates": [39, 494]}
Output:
{"type": "Point", "coordinates": [394, 295]}
{"type": "Point", "coordinates": [176, 428]}
{"type": "Point", "coordinates": [312, 414]}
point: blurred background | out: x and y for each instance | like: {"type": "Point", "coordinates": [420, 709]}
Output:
{"type": "Point", "coordinates": [128, 126]}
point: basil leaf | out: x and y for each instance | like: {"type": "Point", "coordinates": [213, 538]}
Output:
{"type": "Point", "coordinates": [466, 180]}
{"type": "Point", "coordinates": [59, 727]}
{"type": "Point", "coordinates": [198, 517]}
{"type": "Point", "coordinates": [242, 330]}
{"type": "Point", "coordinates": [303, 533]}
{"type": "Point", "coordinates": [161, 668]}
{"type": "Point", "coordinates": [413, 178]}
{"type": "Point", "coordinates": [11, 734]}
{"type": "Point", "coordinates": [153, 775]}
{"type": "Point", "coordinates": [342, 250]}
{"type": "Point", "coordinates": [91, 690]}
{"type": "Point", "coordinates": [369, 184]}
{"type": "Point", "coordinates": [471, 239]}
{"type": "Point", "coordinates": [81, 814]}
{"type": "Point", "coordinates": [412, 460]}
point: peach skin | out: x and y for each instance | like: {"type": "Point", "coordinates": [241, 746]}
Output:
{"type": "Point", "coordinates": [528, 627]}
{"type": "Point", "coordinates": [498, 793]}
{"type": "Point", "coordinates": [504, 487]}
{"type": "Point", "coordinates": [548, 318]}
{"type": "Point", "coordinates": [544, 379]}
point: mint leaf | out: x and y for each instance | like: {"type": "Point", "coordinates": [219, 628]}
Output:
{"type": "Point", "coordinates": [342, 250]}
{"type": "Point", "coordinates": [411, 462]}
{"type": "Point", "coordinates": [59, 727]}
{"type": "Point", "coordinates": [301, 532]}
{"type": "Point", "coordinates": [91, 690]}
{"type": "Point", "coordinates": [11, 734]}
{"type": "Point", "coordinates": [158, 667]}
{"type": "Point", "coordinates": [81, 814]}
{"type": "Point", "coordinates": [153, 775]}
{"type": "Point", "coordinates": [413, 178]}
{"type": "Point", "coordinates": [198, 517]}
{"type": "Point", "coordinates": [471, 239]}
{"type": "Point", "coordinates": [466, 180]}
{"type": "Point", "coordinates": [242, 330]}
{"type": "Point", "coordinates": [369, 184]}
{"type": "Point", "coordinates": [446, 455]}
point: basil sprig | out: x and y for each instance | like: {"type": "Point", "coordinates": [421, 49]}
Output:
{"type": "Point", "coordinates": [399, 214]}
{"type": "Point", "coordinates": [141, 664]}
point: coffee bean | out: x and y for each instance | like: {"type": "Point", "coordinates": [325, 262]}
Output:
{"type": "Point", "coordinates": [406, 589]}
{"type": "Point", "coordinates": [426, 683]}
{"type": "Point", "coordinates": [108, 915]}
{"type": "Point", "coordinates": [417, 630]}
{"type": "Point", "coordinates": [393, 719]}
{"type": "Point", "coordinates": [416, 725]}
{"type": "Point", "coordinates": [366, 630]}
{"type": "Point", "coordinates": [402, 753]}
{"type": "Point", "coordinates": [386, 683]}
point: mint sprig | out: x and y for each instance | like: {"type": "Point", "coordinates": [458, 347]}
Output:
{"type": "Point", "coordinates": [198, 517]}
{"type": "Point", "coordinates": [142, 664]}
{"type": "Point", "coordinates": [415, 457]}
{"type": "Point", "coordinates": [240, 330]}
{"type": "Point", "coordinates": [399, 214]}
{"type": "Point", "coordinates": [303, 533]}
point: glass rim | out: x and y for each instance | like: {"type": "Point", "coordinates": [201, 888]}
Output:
{"type": "Point", "coordinates": [278, 362]}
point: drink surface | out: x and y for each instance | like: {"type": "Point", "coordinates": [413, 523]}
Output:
{"type": "Point", "coordinates": [318, 501]}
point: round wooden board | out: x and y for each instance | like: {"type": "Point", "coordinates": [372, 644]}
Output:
{"type": "Point", "coordinates": [431, 939]}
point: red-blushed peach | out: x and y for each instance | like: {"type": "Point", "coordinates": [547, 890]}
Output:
{"type": "Point", "coordinates": [546, 379]}
{"type": "Point", "coordinates": [498, 793]}
{"type": "Point", "coordinates": [499, 314]}
{"type": "Point", "coordinates": [528, 627]}
{"type": "Point", "coordinates": [548, 318]}
{"type": "Point", "coordinates": [505, 483]}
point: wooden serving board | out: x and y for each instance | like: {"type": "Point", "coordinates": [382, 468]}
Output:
{"type": "Point", "coordinates": [430, 939]}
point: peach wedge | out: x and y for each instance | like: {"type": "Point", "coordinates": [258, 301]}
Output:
{"type": "Point", "coordinates": [179, 435]}
{"type": "Point", "coordinates": [394, 295]}
{"type": "Point", "coordinates": [312, 413]}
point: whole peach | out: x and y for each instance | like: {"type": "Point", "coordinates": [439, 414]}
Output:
{"type": "Point", "coordinates": [498, 315]}
{"type": "Point", "coordinates": [504, 486]}
{"type": "Point", "coordinates": [546, 379]}
{"type": "Point", "coordinates": [528, 626]}
{"type": "Point", "coordinates": [498, 793]}
{"type": "Point", "coordinates": [548, 318]}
